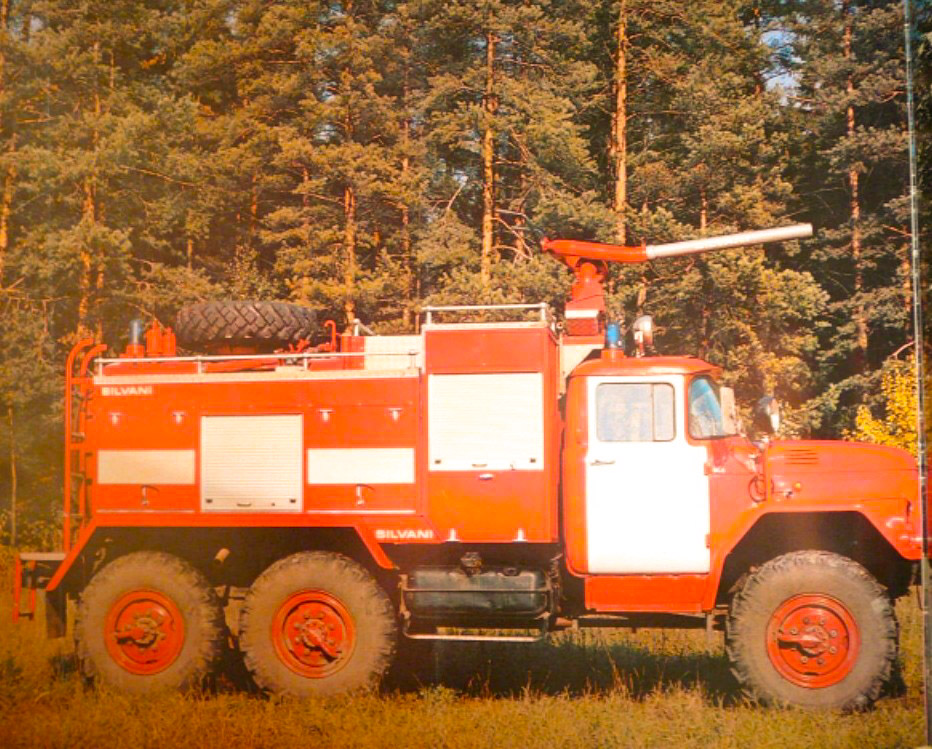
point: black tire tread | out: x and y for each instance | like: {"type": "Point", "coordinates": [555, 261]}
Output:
{"type": "Point", "coordinates": [244, 323]}
{"type": "Point", "coordinates": [746, 598]}
{"type": "Point", "coordinates": [344, 578]}
{"type": "Point", "coordinates": [205, 608]}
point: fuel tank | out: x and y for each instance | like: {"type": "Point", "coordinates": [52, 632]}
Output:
{"type": "Point", "coordinates": [440, 592]}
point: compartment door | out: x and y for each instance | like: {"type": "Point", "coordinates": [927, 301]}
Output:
{"type": "Point", "coordinates": [252, 463]}
{"type": "Point", "coordinates": [487, 473]}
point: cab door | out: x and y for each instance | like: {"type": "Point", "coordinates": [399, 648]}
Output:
{"type": "Point", "coordinates": [647, 494]}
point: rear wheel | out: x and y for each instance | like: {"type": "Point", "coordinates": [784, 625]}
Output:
{"type": "Point", "coordinates": [148, 621]}
{"type": "Point", "coordinates": [316, 623]}
{"type": "Point", "coordinates": [814, 629]}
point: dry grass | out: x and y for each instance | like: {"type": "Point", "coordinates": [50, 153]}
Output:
{"type": "Point", "coordinates": [590, 689]}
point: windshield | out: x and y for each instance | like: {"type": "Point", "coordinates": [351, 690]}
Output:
{"type": "Point", "coordinates": [705, 410]}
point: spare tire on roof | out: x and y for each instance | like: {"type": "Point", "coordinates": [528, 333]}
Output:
{"type": "Point", "coordinates": [260, 326]}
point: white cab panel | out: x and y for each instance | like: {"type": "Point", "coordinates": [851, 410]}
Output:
{"type": "Point", "coordinates": [647, 502]}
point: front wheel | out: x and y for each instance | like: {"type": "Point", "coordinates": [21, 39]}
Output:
{"type": "Point", "coordinates": [316, 623]}
{"type": "Point", "coordinates": [814, 629]}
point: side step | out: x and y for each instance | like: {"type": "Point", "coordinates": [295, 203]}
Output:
{"type": "Point", "coordinates": [460, 636]}
{"type": "Point", "coordinates": [474, 633]}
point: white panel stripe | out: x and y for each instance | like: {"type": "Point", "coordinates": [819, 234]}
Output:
{"type": "Point", "coordinates": [361, 465]}
{"type": "Point", "coordinates": [164, 467]}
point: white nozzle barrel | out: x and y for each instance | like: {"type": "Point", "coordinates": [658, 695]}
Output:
{"type": "Point", "coordinates": [745, 238]}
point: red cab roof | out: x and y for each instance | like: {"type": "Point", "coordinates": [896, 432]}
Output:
{"type": "Point", "coordinates": [613, 363]}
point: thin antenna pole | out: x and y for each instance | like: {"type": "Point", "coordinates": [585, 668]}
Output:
{"type": "Point", "coordinates": [920, 373]}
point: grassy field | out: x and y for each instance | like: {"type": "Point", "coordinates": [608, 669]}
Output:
{"type": "Point", "coordinates": [589, 689]}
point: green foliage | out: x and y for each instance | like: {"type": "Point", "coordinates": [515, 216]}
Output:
{"type": "Point", "coordinates": [153, 154]}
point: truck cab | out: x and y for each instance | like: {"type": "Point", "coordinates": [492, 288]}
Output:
{"type": "Point", "coordinates": [637, 488]}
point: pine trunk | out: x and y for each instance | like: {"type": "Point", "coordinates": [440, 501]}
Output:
{"type": "Point", "coordinates": [407, 254]}
{"type": "Point", "coordinates": [6, 207]}
{"type": "Point", "coordinates": [6, 199]}
{"type": "Point", "coordinates": [349, 247]}
{"type": "Point", "coordinates": [407, 259]}
{"type": "Point", "coordinates": [703, 211]}
{"type": "Point", "coordinates": [854, 204]}
{"type": "Point", "coordinates": [253, 208]}
{"type": "Point", "coordinates": [488, 166]}
{"type": "Point", "coordinates": [522, 248]}
{"type": "Point", "coordinates": [619, 145]}
{"type": "Point", "coordinates": [89, 213]}
{"type": "Point", "coordinates": [89, 216]}
{"type": "Point", "coordinates": [14, 488]}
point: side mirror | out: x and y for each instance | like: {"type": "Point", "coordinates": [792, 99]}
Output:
{"type": "Point", "coordinates": [767, 415]}
{"type": "Point", "coordinates": [730, 423]}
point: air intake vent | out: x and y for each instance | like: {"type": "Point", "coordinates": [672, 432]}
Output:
{"type": "Point", "coordinates": [801, 456]}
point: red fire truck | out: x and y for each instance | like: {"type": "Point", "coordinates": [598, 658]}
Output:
{"type": "Point", "coordinates": [491, 476]}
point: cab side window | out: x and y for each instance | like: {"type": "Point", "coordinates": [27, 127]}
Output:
{"type": "Point", "coordinates": [635, 412]}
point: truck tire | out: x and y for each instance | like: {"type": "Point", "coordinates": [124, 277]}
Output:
{"type": "Point", "coordinates": [261, 326]}
{"type": "Point", "coordinates": [813, 629]}
{"type": "Point", "coordinates": [148, 621]}
{"type": "Point", "coordinates": [316, 623]}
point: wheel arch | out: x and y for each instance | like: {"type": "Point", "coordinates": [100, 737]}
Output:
{"type": "Point", "coordinates": [226, 556]}
{"type": "Point", "coordinates": [849, 534]}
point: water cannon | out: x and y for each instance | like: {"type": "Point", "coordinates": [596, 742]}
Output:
{"type": "Point", "coordinates": [585, 311]}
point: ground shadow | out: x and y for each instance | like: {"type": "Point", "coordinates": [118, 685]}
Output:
{"type": "Point", "coordinates": [64, 665]}
{"type": "Point", "coordinates": [563, 666]}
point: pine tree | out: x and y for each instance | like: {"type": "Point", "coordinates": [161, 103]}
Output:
{"type": "Point", "coordinates": [704, 153]}
{"type": "Point", "coordinates": [509, 80]}
{"type": "Point", "coordinates": [332, 134]}
{"type": "Point", "coordinates": [852, 180]}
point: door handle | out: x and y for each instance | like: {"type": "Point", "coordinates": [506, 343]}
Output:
{"type": "Point", "coordinates": [486, 476]}
{"type": "Point", "coordinates": [598, 462]}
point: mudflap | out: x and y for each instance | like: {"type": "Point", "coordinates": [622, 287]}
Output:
{"type": "Point", "coordinates": [56, 613]}
{"type": "Point", "coordinates": [32, 572]}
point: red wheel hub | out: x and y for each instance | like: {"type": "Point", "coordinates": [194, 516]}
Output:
{"type": "Point", "coordinates": [313, 634]}
{"type": "Point", "coordinates": [144, 632]}
{"type": "Point", "coordinates": [813, 640]}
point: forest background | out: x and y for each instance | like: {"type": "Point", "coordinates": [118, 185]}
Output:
{"type": "Point", "coordinates": [367, 157]}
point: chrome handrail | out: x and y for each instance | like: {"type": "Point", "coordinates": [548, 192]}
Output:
{"type": "Point", "coordinates": [430, 309]}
